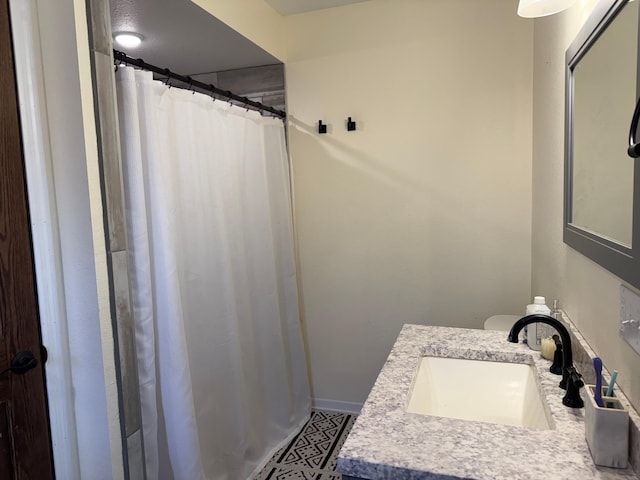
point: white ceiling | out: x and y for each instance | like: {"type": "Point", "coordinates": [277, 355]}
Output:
{"type": "Point", "coordinates": [290, 7]}
{"type": "Point", "coordinates": [181, 36]}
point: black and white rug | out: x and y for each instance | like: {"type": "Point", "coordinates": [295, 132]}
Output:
{"type": "Point", "coordinates": [313, 453]}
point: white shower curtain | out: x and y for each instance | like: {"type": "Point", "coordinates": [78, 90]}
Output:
{"type": "Point", "coordinates": [222, 370]}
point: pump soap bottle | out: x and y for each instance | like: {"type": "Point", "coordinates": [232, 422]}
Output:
{"type": "Point", "coordinates": [535, 330]}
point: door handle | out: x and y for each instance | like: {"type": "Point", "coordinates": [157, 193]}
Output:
{"type": "Point", "coordinates": [22, 363]}
{"type": "Point", "coordinates": [634, 148]}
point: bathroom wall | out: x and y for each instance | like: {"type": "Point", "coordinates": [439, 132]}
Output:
{"type": "Point", "coordinates": [588, 293]}
{"type": "Point", "coordinates": [422, 215]}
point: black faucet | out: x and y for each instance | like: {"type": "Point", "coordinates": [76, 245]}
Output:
{"type": "Point", "coordinates": [571, 381]}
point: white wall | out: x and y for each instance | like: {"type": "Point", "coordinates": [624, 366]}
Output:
{"type": "Point", "coordinates": [589, 294]}
{"type": "Point", "coordinates": [423, 215]}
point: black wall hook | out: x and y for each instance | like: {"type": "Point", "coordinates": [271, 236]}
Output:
{"type": "Point", "coordinates": [351, 126]}
{"type": "Point", "coordinates": [322, 128]}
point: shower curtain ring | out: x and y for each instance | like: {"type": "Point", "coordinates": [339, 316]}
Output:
{"type": "Point", "coordinates": [212, 88]}
{"type": "Point", "coordinates": [167, 72]}
{"type": "Point", "coordinates": [193, 92]}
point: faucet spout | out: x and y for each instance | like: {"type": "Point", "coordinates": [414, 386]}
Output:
{"type": "Point", "coordinates": [571, 380]}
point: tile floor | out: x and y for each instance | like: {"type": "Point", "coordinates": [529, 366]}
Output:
{"type": "Point", "coordinates": [313, 453]}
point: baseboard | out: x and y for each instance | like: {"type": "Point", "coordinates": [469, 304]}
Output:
{"type": "Point", "coordinates": [336, 406]}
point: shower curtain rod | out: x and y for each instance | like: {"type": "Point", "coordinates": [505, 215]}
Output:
{"type": "Point", "coordinates": [138, 62]}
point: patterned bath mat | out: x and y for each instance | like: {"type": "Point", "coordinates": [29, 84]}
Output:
{"type": "Point", "coordinates": [313, 453]}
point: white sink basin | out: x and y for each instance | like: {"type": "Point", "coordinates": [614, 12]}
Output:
{"type": "Point", "coordinates": [483, 391]}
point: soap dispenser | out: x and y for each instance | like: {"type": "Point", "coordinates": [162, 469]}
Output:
{"type": "Point", "coordinates": [535, 331]}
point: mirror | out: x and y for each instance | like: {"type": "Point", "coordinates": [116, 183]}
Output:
{"type": "Point", "coordinates": [600, 177]}
{"type": "Point", "coordinates": [603, 104]}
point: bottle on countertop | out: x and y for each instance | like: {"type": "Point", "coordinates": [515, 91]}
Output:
{"type": "Point", "coordinates": [549, 344]}
{"type": "Point", "coordinates": [536, 331]}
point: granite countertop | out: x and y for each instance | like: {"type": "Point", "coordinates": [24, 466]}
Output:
{"type": "Point", "coordinates": [386, 442]}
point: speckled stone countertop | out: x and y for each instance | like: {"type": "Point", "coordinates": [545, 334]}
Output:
{"type": "Point", "coordinates": [386, 442]}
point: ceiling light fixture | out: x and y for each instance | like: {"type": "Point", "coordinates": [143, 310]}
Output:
{"type": "Point", "coordinates": [542, 8]}
{"type": "Point", "coordinates": [128, 39]}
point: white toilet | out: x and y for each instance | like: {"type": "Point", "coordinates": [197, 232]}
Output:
{"type": "Point", "coordinates": [501, 322]}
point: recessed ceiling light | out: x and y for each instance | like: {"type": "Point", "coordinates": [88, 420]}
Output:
{"type": "Point", "coordinates": [128, 39]}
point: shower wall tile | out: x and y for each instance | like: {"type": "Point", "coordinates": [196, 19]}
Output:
{"type": "Point", "coordinates": [113, 199]}
{"type": "Point", "coordinates": [276, 100]}
{"type": "Point", "coordinates": [126, 342]}
{"type": "Point", "coordinates": [245, 81]}
{"type": "Point", "coordinates": [136, 456]}
{"type": "Point", "coordinates": [110, 146]}
{"type": "Point", "coordinates": [207, 78]}
{"type": "Point", "coordinates": [99, 18]}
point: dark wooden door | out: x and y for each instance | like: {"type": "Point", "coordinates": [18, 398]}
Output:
{"type": "Point", "coordinates": [25, 445]}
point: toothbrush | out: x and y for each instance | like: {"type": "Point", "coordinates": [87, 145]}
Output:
{"type": "Point", "coordinates": [614, 375]}
{"type": "Point", "coordinates": [597, 365]}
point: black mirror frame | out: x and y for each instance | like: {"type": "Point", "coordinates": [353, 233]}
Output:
{"type": "Point", "coordinates": [619, 259]}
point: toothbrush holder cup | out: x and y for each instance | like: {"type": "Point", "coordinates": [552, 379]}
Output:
{"type": "Point", "coordinates": [606, 430]}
